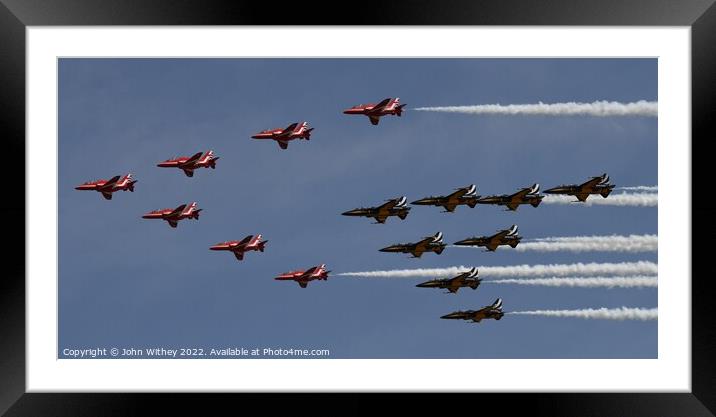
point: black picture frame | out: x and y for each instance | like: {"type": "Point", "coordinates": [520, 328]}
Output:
{"type": "Point", "coordinates": [16, 15]}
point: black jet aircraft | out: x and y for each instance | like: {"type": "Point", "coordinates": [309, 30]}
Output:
{"type": "Point", "coordinates": [596, 185]}
{"type": "Point", "coordinates": [465, 195]}
{"type": "Point", "coordinates": [465, 279]}
{"type": "Point", "coordinates": [493, 311]}
{"type": "Point", "coordinates": [393, 207]}
{"type": "Point", "coordinates": [428, 244]}
{"type": "Point", "coordinates": [529, 195]}
{"type": "Point", "coordinates": [503, 237]}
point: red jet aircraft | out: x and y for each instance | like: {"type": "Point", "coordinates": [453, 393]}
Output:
{"type": "Point", "coordinates": [304, 277]}
{"type": "Point", "coordinates": [248, 243]}
{"type": "Point", "coordinates": [376, 111]}
{"type": "Point", "coordinates": [189, 163]}
{"type": "Point", "coordinates": [172, 216]}
{"type": "Point", "coordinates": [282, 136]}
{"type": "Point", "coordinates": [107, 187]}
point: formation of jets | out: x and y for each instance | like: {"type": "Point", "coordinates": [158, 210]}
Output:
{"type": "Point", "coordinates": [304, 277]}
{"type": "Point", "coordinates": [493, 311]}
{"type": "Point", "coordinates": [395, 207]}
{"type": "Point", "coordinates": [468, 196]}
{"type": "Point", "coordinates": [427, 244]}
{"type": "Point", "coordinates": [465, 279]}
{"type": "Point", "coordinates": [107, 187]}
{"type": "Point", "coordinates": [189, 163]}
{"type": "Point", "coordinates": [239, 247]}
{"type": "Point", "coordinates": [507, 237]}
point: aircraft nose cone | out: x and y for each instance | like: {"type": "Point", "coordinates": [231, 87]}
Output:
{"type": "Point", "coordinates": [448, 316]}
{"type": "Point", "coordinates": [215, 247]}
{"type": "Point", "coordinates": [423, 285]}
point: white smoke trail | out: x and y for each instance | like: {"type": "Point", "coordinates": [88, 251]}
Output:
{"type": "Point", "coordinates": [597, 108]}
{"type": "Point", "coordinates": [645, 188]}
{"type": "Point", "coordinates": [588, 282]}
{"type": "Point", "coordinates": [623, 199]}
{"type": "Point", "coordinates": [551, 270]}
{"type": "Point", "coordinates": [614, 243]}
{"type": "Point", "coordinates": [624, 313]}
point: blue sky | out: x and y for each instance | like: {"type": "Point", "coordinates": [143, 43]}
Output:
{"type": "Point", "coordinates": [129, 282]}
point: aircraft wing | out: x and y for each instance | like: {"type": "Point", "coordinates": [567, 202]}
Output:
{"type": "Point", "coordinates": [110, 183]}
{"type": "Point", "coordinates": [308, 273]}
{"type": "Point", "coordinates": [589, 185]}
{"type": "Point", "coordinates": [390, 204]}
{"type": "Point", "coordinates": [374, 119]}
{"type": "Point", "coordinates": [380, 106]}
{"type": "Point", "coordinates": [288, 130]}
{"type": "Point", "coordinates": [418, 250]}
{"type": "Point", "coordinates": [492, 246]}
{"type": "Point", "coordinates": [480, 314]}
{"type": "Point", "coordinates": [518, 196]}
{"type": "Point", "coordinates": [582, 196]}
{"type": "Point", "coordinates": [460, 277]}
{"type": "Point", "coordinates": [380, 219]}
{"type": "Point", "coordinates": [283, 144]}
{"type": "Point", "coordinates": [239, 255]}
{"type": "Point", "coordinates": [421, 246]}
{"type": "Point", "coordinates": [246, 240]}
{"type": "Point", "coordinates": [177, 211]}
{"type": "Point", "coordinates": [450, 207]}
{"type": "Point", "coordinates": [499, 235]}
{"type": "Point", "coordinates": [193, 159]}
{"type": "Point", "coordinates": [459, 193]}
